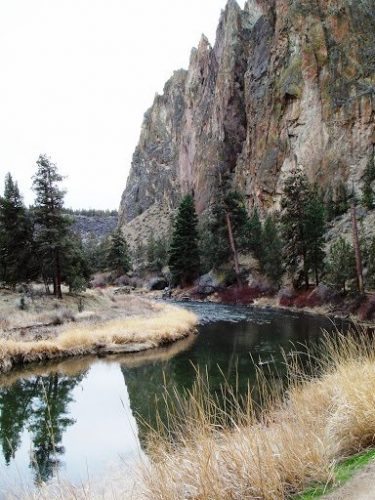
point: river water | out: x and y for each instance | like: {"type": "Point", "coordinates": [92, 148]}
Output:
{"type": "Point", "coordinates": [76, 419]}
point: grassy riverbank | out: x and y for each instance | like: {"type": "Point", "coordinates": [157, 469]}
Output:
{"type": "Point", "coordinates": [115, 325]}
{"type": "Point", "coordinates": [296, 441]}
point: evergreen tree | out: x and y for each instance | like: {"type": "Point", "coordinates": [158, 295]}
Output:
{"type": "Point", "coordinates": [52, 224]}
{"type": "Point", "coordinates": [253, 234]}
{"type": "Point", "coordinates": [184, 260]}
{"type": "Point", "coordinates": [341, 264]}
{"type": "Point", "coordinates": [119, 254]}
{"type": "Point", "coordinates": [271, 258]}
{"type": "Point", "coordinates": [213, 240]}
{"type": "Point", "coordinates": [157, 253]}
{"type": "Point", "coordinates": [314, 230]}
{"type": "Point", "coordinates": [15, 235]}
{"type": "Point", "coordinates": [75, 265]}
{"type": "Point", "coordinates": [368, 193]}
{"type": "Point", "coordinates": [293, 220]}
{"type": "Point", "coordinates": [95, 252]}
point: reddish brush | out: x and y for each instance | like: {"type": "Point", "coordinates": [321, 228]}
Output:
{"type": "Point", "coordinates": [242, 295]}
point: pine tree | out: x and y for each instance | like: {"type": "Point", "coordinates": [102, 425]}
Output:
{"type": "Point", "coordinates": [314, 230]}
{"type": "Point", "coordinates": [271, 257]}
{"type": "Point", "coordinates": [368, 193]}
{"type": "Point", "coordinates": [184, 260]}
{"type": "Point", "coordinates": [119, 254]}
{"type": "Point", "coordinates": [293, 224]}
{"type": "Point", "coordinates": [341, 264]}
{"type": "Point", "coordinates": [52, 224]}
{"type": "Point", "coordinates": [15, 235]}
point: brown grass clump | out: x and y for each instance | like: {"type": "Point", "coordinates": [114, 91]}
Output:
{"type": "Point", "coordinates": [163, 325]}
{"type": "Point", "coordinates": [208, 452]}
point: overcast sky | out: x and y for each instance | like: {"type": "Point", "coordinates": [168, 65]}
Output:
{"type": "Point", "coordinates": [76, 77]}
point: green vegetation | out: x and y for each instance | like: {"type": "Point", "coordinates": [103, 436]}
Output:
{"type": "Point", "coordinates": [368, 193]}
{"type": "Point", "coordinates": [16, 245]}
{"type": "Point", "coordinates": [303, 227]}
{"type": "Point", "coordinates": [52, 225]}
{"type": "Point", "coordinates": [157, 253]}
{"type": "Point", "coordinates": [271, 258]}
{"type": "Point", "coordinates": [38, 243]}
{"type": "Point", "coordinates": [184, 260]}
{"type": "Point", "coordinates": [342, 473]}
{"type": "Point", "coordinates": [118, 254]}
{"type": "Point", "coordinates": [341, 264]}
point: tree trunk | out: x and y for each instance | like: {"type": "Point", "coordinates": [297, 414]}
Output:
{"type": "Point", "coordinates": [233, 247]}
{"type": "Point", "coordinates": [357, 250]}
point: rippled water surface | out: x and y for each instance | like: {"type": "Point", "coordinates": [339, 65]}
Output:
{"type": "Point", "coordinates": [75, 419]}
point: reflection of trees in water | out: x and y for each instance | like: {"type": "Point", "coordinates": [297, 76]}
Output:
{"type": "Point", "coordinates": [40, 405]}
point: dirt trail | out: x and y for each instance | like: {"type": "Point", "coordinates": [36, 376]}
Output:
{"type": "Point", "coordinates": [360, 487]}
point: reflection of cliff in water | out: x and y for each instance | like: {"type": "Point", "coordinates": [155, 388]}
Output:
{"type": "Point", "coordinates": [40, 406]}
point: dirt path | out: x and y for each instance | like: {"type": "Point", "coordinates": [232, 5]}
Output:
{"type": "Point", "coordinates": [360, 487]}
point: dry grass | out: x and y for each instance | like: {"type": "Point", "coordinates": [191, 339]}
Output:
{"type": "Point", "coordinates": [207, 453]}
{"type": "Point", "coordinates": [159, 325]}
{"type": "Point", "coordinates": [212, 451]}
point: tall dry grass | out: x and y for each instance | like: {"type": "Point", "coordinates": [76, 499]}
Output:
{"type": "Point", "coordinates": [211, 450]}
{"type": "Point", "coordinates": [166, 324]}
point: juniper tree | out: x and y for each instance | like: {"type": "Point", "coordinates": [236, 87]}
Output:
{"type": "Point", "coordinates": [52, 224]}
{"type": "Point", "coordinates": [15, 235]}
{"type": "Point", "coordinates": [184, 261]}
{"type": "Point", "coordinates": [118, 253]}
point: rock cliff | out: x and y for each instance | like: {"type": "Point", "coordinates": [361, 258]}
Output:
{"type": "Point", "coordinates": [287, 82]}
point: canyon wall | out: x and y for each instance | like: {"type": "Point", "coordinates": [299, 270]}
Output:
{"type": "Point", "coordinates": [287, 83]}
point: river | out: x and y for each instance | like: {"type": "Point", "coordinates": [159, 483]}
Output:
{"type": "Point", "coordinates": [77, 419]}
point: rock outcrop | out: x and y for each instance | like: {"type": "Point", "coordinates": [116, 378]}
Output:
{"type": "Point", "coordinates": [287, 83]}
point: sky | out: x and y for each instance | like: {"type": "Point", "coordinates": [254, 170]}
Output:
{"type": "Point", "coordinates": [76, 77]}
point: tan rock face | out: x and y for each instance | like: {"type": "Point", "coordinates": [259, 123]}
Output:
{"type": "Point", "coordinates": [287, 82]}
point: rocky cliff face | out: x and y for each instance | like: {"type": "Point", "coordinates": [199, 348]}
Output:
{"type": "Point", "coordinates": [288, 82]}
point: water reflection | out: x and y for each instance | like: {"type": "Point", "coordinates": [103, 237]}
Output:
{"type": "Point", "coordinates": [77, 416]}
{"type": "Point", "coordinates": [40, 406]}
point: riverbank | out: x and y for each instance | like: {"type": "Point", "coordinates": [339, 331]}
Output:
{"type": "Point", "coordinates": [46, 329]}
{"type": "Point", "coordinates": [318, 301]}
{"type": "Point", "coordinates": [293, 443]}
